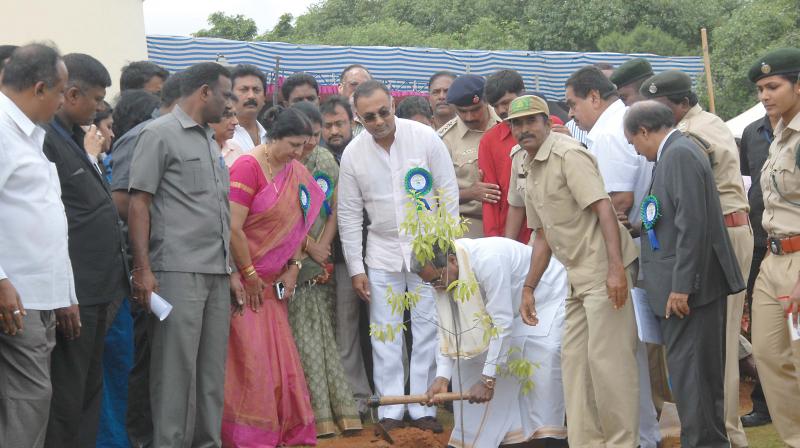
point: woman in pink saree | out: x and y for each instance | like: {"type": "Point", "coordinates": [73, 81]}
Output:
{"type": "Point", "coordinates": [274, 201]}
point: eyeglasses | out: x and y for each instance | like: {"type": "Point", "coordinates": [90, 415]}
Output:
{"type": "Point", "coordinates": [438, 282]}
{"type": "Point", "coordinates": [383, 113]}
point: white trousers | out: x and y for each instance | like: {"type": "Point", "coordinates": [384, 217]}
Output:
{"type": "Point", "coordinates": [387, 357]}
{"type": "Point", "coordinates": [511, 416]}
{"type": "Point", "coordinates": [649, 431]}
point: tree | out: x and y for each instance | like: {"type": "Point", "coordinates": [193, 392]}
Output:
{"type": "Point", "coordinates": [282, 31]}
{"type": "Point", "coordinates": [643, 39]}
{"type": "Point", "coordinates": [234, 27]}
{"type": "Point", "coordinates": [752, 30]}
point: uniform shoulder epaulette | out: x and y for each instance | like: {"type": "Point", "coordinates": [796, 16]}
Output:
{"type": "Point", "coordinates": [447, 126]}
{"type": "Point", "coordinates": [702, 143]}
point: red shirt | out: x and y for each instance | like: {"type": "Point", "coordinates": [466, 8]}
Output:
{"type": "Point", "coordinates": [494, 160]}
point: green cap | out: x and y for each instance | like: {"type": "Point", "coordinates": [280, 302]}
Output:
{"type": "Point", "coordinates": [776, 62]}
{"type": "Point", "coordinates": [631, 71]}
{"type": "Point", "coordinates": [668, 83]}
{"type": "Point", "coordinates": [527, 105]}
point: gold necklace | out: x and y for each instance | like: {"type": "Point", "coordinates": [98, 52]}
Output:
{"type": "Point", "coordinates": [269, 168]}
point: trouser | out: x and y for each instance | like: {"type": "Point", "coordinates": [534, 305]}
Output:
{"type": "Point", "coordinates": [696, 358]}
{"type": "Point", "coordinates": [187, 360]}
{"type": "Point", "coordinates": [387, 356]}
{"type": "Point", "coordinates": [139, 417]}
{"type": "Point", "coordinates": [77, 377]}
{"type": "Point", "coordinates": [347, 337]}
{"type": "Point", "coordinates": [649, 431]}
{"type": "Point", "coordinates": [117, 360]}
{"type": "Point", "coordinates": [777, 357]}
{"type": "Point", "coordinates": [742, 241]}
{"type": "Point", "coordinates": [475, 229]}
{"type": "Point", "coordinates": [747, 366]}
{"type": "Point", "coordinates": [601, 381]}
{"type": "Point", "coordinates": [25, 387]}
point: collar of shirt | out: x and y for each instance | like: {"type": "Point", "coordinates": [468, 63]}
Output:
{"type": "Point", "coordinates": [493, 120]}
{"type": "Point", "coordinates": [22, 121]}
{"type": "Point", "coordinates": [544, 151]}
{"type": "Point", "coordinates": [695, 110]}
{"type": "Point", "coordinates": [614, 108]}
{"type": "Point", "coordinates": [184, 119]}
{"type": "Point", "coordinates": [663, 142]}
{"type": "Point", "coordinates": [793, 125]}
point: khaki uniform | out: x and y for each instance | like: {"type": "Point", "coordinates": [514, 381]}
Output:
{"type": "Point", "coordinates": [462, 143]}
{"type": "Point", "coordinates": [724, 156]}
{"type": "Point", "coordinates": [599, 343]}
{"type": "Point", "coordinates": [778, 358]}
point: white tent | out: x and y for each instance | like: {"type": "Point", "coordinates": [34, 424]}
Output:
{"type": "Point", "coordinates": [738, 123]}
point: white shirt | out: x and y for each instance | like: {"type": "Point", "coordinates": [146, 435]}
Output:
{"type": "Point", "coordinates": [500, 266]}
{"type": "Point", "coordinates": [619, 163]}
{"type": "Point", "coordinates": [372, 178]}
{"type": "Point", "coordinates": [33, 226]}
{"type": "Point", "coordinates": [577, 133]}
{"type": "Point", "coordinates": [243, 140]}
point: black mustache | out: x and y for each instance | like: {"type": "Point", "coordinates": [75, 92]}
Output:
{"type": "Point", "coordinates": [526, 135]}
{"type": "Point", "coordinates": [251, 102]}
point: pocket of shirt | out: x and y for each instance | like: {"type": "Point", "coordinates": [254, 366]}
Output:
{"type": "Point", "coordinates": [192, 175]}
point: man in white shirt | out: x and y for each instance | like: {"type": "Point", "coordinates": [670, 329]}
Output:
{"type": "Point", "coordinates": [595, 105]}
{"type": "Point", "coordinates": [500, 412]}
{"type": "Point", "coordinates": [249, 86]}
{"type": "Point", "coordinates": [373, 175]}
{"type": "Point", "coordinates": [35, 270]}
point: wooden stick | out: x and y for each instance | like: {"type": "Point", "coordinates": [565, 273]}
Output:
{"type": "Point", "coordinates": [376, 401]}
{"type": "Point", "coordinates": [707, 63]}
{"type": "Point", "coordinates": [275, 91]}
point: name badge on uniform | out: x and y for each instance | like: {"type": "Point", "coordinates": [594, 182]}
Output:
{"type": "Point", "coordinates": [326, 185]}
{"type": "Point", "coordinates": [418, 183]}
{"type": "Point", "coordinates": [305, 200]}
{"type": "Point", "coordinates": [651, 212]}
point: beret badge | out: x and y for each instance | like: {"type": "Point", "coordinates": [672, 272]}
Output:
{"type": "Point", "coordinates": [653, 89]}
{"type": "Point", "coordinates": [765, 68]}
{"type": "Point", "coordinates": [475, 99]}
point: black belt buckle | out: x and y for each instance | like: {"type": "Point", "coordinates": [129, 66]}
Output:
{"type": "Point", "coordinates": [775, 246]}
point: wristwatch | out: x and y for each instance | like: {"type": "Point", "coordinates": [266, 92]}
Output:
{"type": "Point", "coordinates": [296, 262]}
{"type": "Point", "coordinates": [488, 381]}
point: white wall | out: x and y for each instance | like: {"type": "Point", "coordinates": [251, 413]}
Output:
{"type": "Point", "coordinates": [110, 30]}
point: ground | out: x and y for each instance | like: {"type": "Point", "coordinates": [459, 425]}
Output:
{"type": "Point", "coordinates": [761, 437]}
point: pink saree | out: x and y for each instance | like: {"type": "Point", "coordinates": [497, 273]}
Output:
{"type": "Point", "coordinates": [267, 402]}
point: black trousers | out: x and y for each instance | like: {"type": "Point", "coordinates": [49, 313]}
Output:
{"type": "Point", "coordinates": [139, 418]}
{"type": "Point", "coordinates": [77, 378]}
{"type": "Point", "coordinates": [696, 361]}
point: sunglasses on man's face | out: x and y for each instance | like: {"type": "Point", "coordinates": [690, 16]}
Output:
{"type": "Point", "coordinates": [370, 117]}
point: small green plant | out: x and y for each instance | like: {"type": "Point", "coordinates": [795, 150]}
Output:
{"type": "Point", "coordinates": [429, 229]}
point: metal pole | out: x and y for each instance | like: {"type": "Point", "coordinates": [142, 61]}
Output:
{"type": "Point", "coordinates": [277, 75]}
{"type": "Point", "coordinates": [707, 63]}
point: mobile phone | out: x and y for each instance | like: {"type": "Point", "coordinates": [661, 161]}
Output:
{"type": "Point", "coordinates": [280, 290]}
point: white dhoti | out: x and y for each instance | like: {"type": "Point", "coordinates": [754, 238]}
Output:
{"type": "Point", "coordinates": [512, 416]}
{"type": "Point", "coordinates": [387, 357]}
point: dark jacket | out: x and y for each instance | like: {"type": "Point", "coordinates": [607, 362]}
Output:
{"type": "Point", "coordinates": [96, 244]}
{"type": "Point", "coordinates": [695, 255]}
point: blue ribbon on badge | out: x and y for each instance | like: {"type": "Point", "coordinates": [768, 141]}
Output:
{"type": "Point", "coordinates": [305, 200]}
{"type": "Point", "coordinates": [418, 183]}
{"type": "Point", "coordinates": [650, 211]}
{"type": "Point", "coordinates": [326, 185]}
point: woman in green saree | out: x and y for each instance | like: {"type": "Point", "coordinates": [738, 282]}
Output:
{"type": "Point", "coordinates": [311, 308]}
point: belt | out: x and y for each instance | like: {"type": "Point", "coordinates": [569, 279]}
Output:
{"type": "Point", "coordinates": [736, 219]}
{"type": "Point", "coordinates": [783, 246]}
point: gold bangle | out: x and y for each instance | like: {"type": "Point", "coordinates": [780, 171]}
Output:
{"type": "Point", "coordinates": [249, 271]}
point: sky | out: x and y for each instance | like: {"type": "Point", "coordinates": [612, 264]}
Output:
{"type": "Point", "coordinates": [183, 17]}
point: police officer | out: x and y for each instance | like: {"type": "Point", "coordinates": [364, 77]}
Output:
{"type": "Point", "coordinates": [462, 135]}
{"type": "Point", "coordinates": [629, 77]}
{"type": "Point", "coordinates": [674, 89]}
{"type": "Point", "coordinates": [777, 288]}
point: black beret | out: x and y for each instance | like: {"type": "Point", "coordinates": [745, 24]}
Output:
{"type": "Point", "coordinates": [632, 70]}
{"type": "Point", "coordinates": [466, 90]}
{"type": "Point", "coordinates": [668, 83]}
{"type": "Point", "coordinates": [776, 62]}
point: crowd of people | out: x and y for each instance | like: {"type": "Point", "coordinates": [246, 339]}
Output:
{"type": "Point", "coordinates": [613, 237]}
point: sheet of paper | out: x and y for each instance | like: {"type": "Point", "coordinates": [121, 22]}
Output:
{"type": "Point", "coordinates": [646, 323]}
{"type": "Point", "coordinates": [794, 332]}
{"type": "Point", "coordinates": [160, 307]}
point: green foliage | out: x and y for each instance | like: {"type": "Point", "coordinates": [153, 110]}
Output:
{"type": "Point", "coordinates": [643, 39]}
{"type": "Point", "coordinates": [754, 29]}
{"type": "Point", "coordinates": [490, 330]}
{"type": "Point", "coordinates": [519, 368]}
{"type": "Point", "coordinates": [282, 31]}
{"type": "Point", "coordinates": [234, 27]}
